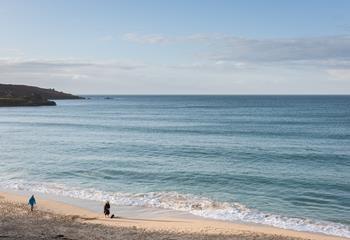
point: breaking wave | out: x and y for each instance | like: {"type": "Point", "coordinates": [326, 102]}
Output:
{"type": "Point", "coordinates": [196, 205]}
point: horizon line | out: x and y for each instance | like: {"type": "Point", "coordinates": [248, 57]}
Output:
{"type": "Point", "coordinates": [212, 94]}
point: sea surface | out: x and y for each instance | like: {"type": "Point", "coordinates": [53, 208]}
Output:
{"type": "Point", "coordinates": [277, 160]}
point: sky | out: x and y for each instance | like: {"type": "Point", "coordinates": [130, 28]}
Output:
{"type": "Point", "coordinates": [177, 47]}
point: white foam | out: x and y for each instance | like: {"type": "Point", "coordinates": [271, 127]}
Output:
{"type": "Point", "coordinates": [196, 205]}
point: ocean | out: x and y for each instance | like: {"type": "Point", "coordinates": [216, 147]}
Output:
{"type": "Point", "coordinates": [277, 160]}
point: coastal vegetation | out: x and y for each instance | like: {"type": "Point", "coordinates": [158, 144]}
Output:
{"type": "Point", "coordinates": [22, 95]}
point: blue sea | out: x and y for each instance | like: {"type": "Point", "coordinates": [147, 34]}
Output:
{"type": "Point", "coordinates": [277, 160]}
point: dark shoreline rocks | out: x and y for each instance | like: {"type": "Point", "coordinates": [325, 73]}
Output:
{"type": "Point", "coordinates": [22, 96]}
{"type": "Point", "coordinates": [24, 102]}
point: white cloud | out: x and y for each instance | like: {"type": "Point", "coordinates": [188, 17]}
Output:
{"type": "Point", "coordinates": [10, 52]}
{"type": "Point", "coordinates": [146, 39]}
{"type": "Point", "coordinates": [200, 77]}
{"type": "Point", "coordinates": [226, 48]}
{"type": "Point", "coordinates": [66, 74]}
{"type": "Point", "coordinates": [275, 50]}
{"type": "Point", "coordinates": [339, 74]}
{"type": "Point", "coordinates": [162, 39]}
{"type": "Point", "coordinates": [51, 64]}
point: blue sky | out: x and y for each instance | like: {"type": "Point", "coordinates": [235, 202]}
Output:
{"type": "Point", "coordinates": [177, 47]}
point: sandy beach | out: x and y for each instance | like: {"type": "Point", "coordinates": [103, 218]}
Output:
{"type": "Point", "coordinates": [57, 220]}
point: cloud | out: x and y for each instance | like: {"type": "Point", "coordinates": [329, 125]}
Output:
{"type": "Point", "coordinates": [11, 52]}
{"type": "Point", "coordinates": [211, 66]}
{"type": "Point", "coordinates": [65, 73]}
{"type": "Point", "coordinates": [225, 48]}
{"type": "Point", "coordinates": [146, 39]}
{"type": "Point", "coordinates": [339, 74]}
{"type": "Point", "coordinates": [276, 50]}
{"type": "Point", "coordinates": [61, 64]}
{"type": "Point", "coordinates": [198, 77]}
{"type": "Point", "coordinates": [162, 39]}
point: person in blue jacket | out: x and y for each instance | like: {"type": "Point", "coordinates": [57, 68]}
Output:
{"type": "Point", "coordinates": [32, 202]}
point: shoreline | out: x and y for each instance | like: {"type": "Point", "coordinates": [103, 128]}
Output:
{"type": "Point", "coordinates": [170, 223]}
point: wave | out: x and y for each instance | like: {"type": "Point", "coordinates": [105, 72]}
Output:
{"type": "Point", "coordinates": [196, 205]}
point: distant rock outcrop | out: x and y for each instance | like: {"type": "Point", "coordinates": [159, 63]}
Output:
{"type": "Point", "coordinates": [22, 95]}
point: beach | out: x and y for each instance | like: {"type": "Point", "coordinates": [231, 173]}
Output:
{"type": "Point", "coordinates": [175, 120]}
{"type": "Point", "coordinates": [277, 161]}
{"type": "Point", "coordinates": [58, 220]}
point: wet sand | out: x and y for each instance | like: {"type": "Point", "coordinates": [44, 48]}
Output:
{"type": "Point", "coordinates": [57, 220]}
